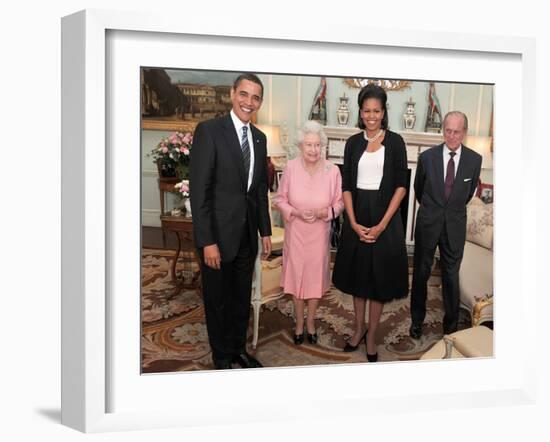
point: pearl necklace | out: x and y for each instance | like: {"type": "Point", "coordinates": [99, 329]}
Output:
{"type": "Point", "coordinates": [373, 139]}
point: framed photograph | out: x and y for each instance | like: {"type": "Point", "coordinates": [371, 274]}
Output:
{"type": "Point", "coordinates": [485, 192]}
{"type": "Point", "coordinates": [103, 387]}
{"type": "Point", "coordinates": [174, 327]}
{"type": "Point", "coordinates": [487, 195]}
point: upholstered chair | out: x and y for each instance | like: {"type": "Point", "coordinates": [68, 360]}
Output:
{"type": "Point", "coordinates": [265, 287]}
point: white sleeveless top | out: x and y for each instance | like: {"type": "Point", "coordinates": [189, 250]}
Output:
{"type": "Point", "coordinates": [370, 169]}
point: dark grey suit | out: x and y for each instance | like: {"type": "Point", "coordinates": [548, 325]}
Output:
{"type": "Point", "coordinates": [227, 214]}
{"type": "Point", "coordinates": [441, 222]}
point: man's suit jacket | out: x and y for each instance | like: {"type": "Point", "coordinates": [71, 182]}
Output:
{"type": "Point", "coordinates": [218, 187]}
{"type": "Point", "coordinates": [435, 211]}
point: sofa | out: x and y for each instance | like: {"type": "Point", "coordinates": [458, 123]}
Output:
{"type": "Point", "coordinates": [476, 270]}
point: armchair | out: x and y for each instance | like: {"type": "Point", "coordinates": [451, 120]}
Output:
{"type": "Point", "coordinates": [265, 287]}
{"type": "Point", "coordinates": [277, 233]}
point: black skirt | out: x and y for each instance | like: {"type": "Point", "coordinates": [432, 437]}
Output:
{"type": "Point", "coordinates": [377, 270]}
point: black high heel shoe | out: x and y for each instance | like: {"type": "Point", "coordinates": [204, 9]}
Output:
{"type": "Point", "coordinates": [312, 338]}
{"type": "Point", "coordinates": [370, 358]}
{"type": "Point", "coordinates": [299, 339]}
{"type": "Point", "coordinates": [349, 348]}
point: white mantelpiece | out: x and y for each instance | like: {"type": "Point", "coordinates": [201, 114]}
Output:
{"type": "Point", "coordinates": [416, 142]}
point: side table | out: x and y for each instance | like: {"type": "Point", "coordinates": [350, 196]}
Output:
{"type": "Point", "coordinates": [166, 184]}
{"type": "Point", "coordinates": [183, 228]}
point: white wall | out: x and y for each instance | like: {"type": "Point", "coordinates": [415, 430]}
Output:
{"type": "Point", "coordinates": [150, 196]}
{"type": "Point", "coordinates": [30, 228]}
{"type": "Point", "coordinates": [285, 93]}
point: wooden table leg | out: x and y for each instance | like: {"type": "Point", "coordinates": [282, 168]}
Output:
{"type": "Point", "coordinates": [161, 192]}
{"type": "Point", "coordinates": [174, 276]}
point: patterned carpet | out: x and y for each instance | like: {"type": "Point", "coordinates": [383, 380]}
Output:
{"type": "Point", "coordinates": [174, 336]}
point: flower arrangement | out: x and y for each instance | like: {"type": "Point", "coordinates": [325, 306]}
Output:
{"type": "Point", "coordinates": [183, 188]}
{"type": "Point", "coordinates": [172, 154]}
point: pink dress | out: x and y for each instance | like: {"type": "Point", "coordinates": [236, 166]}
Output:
{"type": "Point", "coordinates": [306, 256]}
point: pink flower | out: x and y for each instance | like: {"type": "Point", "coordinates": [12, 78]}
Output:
{"type": "Point", "coordinates": [187, 138]}
{"type": "Point", "coordinates": [184, 150]}
{"type": "Point", "coordinates": [174, 139]}
{"type": "Point", "coordinates": [164, 149]}
{"type": "Point", "coordinates": [183, 187]}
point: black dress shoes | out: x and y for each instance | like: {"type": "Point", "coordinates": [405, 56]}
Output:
{"type": "Point", "coordinates": [415, 331]}
{"type": "Point", "coordinates": [222, 364]}
{"type": "Point", "coordinates": [247, 361]}
{"type": "Point", "coordinates": [349, 348]}
{"type": "Point", "coordinates": [299, 339]}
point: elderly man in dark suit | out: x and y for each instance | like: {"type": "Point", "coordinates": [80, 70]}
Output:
{"type": "Point", "coordinates": [229, 200]}
{"type": "Point", "coordinates": [446, 179]}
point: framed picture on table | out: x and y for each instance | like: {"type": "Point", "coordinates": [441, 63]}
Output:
{"type": "Point", "coordinates": [103, 388]}
{"type": "Point", "coordinates": [485, 192]}
{"type": "Point", "coordinates": [487, 195]}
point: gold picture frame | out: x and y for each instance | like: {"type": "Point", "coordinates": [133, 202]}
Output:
{"type": "Point", "coordinates": [388, 85]}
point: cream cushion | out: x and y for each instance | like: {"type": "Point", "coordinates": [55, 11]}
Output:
{"type": "Point", "coordinates": [475, 277]}
{"type": "Point", "coordinates": [277, 233]}
{"type": "Point", "coordinates": [480, 223]}
{"type": "Point", "coordinates": [474, 342]}
{"type": "Point", "coordinates": [265, 287]}
{"type": "Point", "coordinates": [277, 237]}
{"type": "Point", "coordinates": [438, 351]}
{"type": "Point", "coordinates": [476, 270]}
{"type": "Point", "coordinates": [271, 276]}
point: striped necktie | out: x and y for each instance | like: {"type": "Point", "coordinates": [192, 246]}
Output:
{"type": "Point", "coordinates": [245, 147]}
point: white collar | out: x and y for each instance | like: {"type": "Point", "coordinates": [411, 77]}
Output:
{"type": "Point", "coordinates": [238, 123]}
{"type": "Point", "coordinates": [447, 151]}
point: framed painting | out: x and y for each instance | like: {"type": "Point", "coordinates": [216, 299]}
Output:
{"type": "Point", "coordinates": [178, 99]}
{"type": "Point", "coordinates": [103, 388]}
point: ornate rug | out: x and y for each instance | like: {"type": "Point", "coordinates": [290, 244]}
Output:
{"type": "Point", "coordinates": [174, 336]}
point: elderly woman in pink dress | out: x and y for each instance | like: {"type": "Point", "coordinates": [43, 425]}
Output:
{"type": "Point", "coordinates": [309, 196]}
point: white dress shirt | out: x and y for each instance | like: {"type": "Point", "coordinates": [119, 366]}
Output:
{"type": "Point", "coordinates": [239, 128]}
{"type": "Point", "coordinates": [447, 157]}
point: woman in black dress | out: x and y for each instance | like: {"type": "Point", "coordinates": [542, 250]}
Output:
{"type": "Point", "coordinates": [371, 262]}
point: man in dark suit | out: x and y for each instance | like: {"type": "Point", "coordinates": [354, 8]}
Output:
{"type": "Point", "coordinates": [446, 179]}
{"type": "Point", "coordinates": [229, 200]}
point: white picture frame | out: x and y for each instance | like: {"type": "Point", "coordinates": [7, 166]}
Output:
{"type": "Point", "coordinates": [92, 267]}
